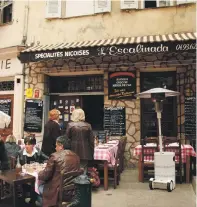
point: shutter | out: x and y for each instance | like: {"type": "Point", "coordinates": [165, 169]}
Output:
{"type": "Point", "coordinates": [163, 3]}
{"type": "Point", "coordinates": [129, 4]}
{"type": "Point", "coordinates": [102, 6]}
{"type": "Point", "coordinates": [53, 8]}
{"type": "Point", "coordinates": [75, 8]}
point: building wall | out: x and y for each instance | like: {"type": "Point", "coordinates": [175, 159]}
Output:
{"type": "Point", "coordinates": [11, 34]}
{"type": "Point", "coordinates": [117, 23]}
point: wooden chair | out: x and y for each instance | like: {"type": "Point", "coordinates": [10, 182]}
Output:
{"type": "Point", "coordinates": [12, 162]}
{"type": "Point", "coordinates": [67, 187]}
{"type": "Point", "coordinates": [168, 147]}
{"type": "Point", "coordinates": [123, 141]}
{"type": "Point", "coordinates": [146, 161]}
{"type": "Point", "coordinates": [113, 170]}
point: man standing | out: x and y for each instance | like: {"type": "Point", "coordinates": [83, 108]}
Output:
{"type": "Point", "coordinates": [61, 160]}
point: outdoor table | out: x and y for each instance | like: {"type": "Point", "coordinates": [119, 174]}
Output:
{"type": "Point", "coordinates": [186, 151]}
{"type": "Point", "coordinates": [33, 170]}
{"type": "Point", "coordinates": [14, 180]}
{"type": "Point", "coordinates": [106, 153]}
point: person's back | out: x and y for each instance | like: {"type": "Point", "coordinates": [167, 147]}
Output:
{"type": "Point", "coordinates": [82, 141]}
{"type": "Point", "coordinates": [12, 149]}
{"type": "Point", "coordinates": [51, 132]}
{"type": "Point", "coordinates": [62, 160]}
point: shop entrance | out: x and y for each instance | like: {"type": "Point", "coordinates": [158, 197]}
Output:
{"type": "Point", "coordinates": [91, 104]}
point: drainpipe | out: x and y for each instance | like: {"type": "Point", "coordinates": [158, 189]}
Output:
{"type": "Point", "coordinates": [24, 40]}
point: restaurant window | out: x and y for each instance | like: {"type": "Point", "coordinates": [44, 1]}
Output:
{"type": "Point", "coordinates": [156, 3]}
{"type": "Point", "coordinates": [5, 11]}
{"type": "Point", "coordinates": [76, 84]}
{"type": "Point", "coordinates": [7, 86]}
{"type": "Point", "coordinates": [149, 125]}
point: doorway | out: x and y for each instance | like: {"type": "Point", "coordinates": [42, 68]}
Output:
{"type": "Point", "coordinates": [93, 106]}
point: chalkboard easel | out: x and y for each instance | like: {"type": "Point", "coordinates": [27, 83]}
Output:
{"type": "Point", "coordinates": [190, 117]}
{"type": "Point", "coordinates": [33, 115]}
{"type": "Point", "coordinates": [114, 121]}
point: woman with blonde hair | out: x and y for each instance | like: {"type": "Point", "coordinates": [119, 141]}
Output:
{"type": "Point", "coordinates": [11, 147]}
{"type": "Point", "coordinates": [81, 135]}
{"type": "Point", "coordinates": [51, 132]}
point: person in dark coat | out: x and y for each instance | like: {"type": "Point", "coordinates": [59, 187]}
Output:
{"type": "Point", "coordinates": [31, 153]}
{"type": "Point", "coordinates": [11, 147]}
{"type": "Point", "coordinates": [4, 162]}
{"type": "Point", "coordinates": [51, 132]}
{"type": "Point", "coordinates": [62, 160]}
{"type": "Point", "coordinates": [81, 135]}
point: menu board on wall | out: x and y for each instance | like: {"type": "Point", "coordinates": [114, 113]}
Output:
{"type": "Point", "coordinates": [121, 85]}
{"type": "Point", "coordinates": [190, 117]}
{"type": "Point", "coordinates": [5, 106]}
{"type": "Point", "coordinates": [114, 121]}
{"type": "Point", "coordinates": [33, 115]}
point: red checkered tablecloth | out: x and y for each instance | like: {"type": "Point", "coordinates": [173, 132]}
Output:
{"type": "Point", "coordinates": [186, 150]}
{"type": "Point", "coordinates": [104, 152]}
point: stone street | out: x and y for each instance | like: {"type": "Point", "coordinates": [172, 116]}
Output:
{"type": "Point", "coordinates": [131, 193]}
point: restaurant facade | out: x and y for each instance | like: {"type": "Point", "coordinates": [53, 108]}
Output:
{"type": "Point", "coordinates": [104, 75]}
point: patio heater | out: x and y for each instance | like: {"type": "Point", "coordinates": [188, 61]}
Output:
{"type": "Point", "coordinates": [164, 162]}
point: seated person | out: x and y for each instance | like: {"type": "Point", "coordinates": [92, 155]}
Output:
{"type": "Point", "coordinates": [62, 160]}
{"type": "Point", "coordinates": [4, 164]}
{"type": "Point", "coordinates": [11, 147]}
{"type": "Point", "coordinates": [31, 153]}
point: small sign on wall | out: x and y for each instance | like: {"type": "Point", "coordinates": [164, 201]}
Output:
{"type": "Point", "coordinates": [121, 85]}
{"type": "Point", "coordinates": [36, 93]}
{"type": "Point", "coordinates": [29, 93]}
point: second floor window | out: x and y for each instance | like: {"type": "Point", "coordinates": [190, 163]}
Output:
{"type": "Point", "coordinates": [6, 11]}
{"type": "Point", "coordinates": [67, 8]}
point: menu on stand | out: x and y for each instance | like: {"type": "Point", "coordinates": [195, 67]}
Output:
{"type": "Point", "coordinates": [33, 115]}
{"type": "Point", "coordinates": [190, 117]}
{"type": "Point", "coordinates": [114, 121]}
{"type": "Point", "coordinates": [5, 106]}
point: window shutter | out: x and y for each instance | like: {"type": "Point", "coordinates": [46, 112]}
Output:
{"type": "Point", "coordinates": [185, 1]}
{"type": "Point", "coordinates": [129, 4]}
{"type": "Point", "coordinates": [53, 8]}
{"type": "Point", "coordinates": [102, 6]}
{"type": "Point", "coordinates": [163, 3]}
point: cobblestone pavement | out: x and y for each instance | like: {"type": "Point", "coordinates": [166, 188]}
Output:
{"type": "Point", "coordinates": [131, 193]}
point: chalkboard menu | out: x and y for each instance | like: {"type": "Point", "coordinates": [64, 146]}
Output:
{"type": "Point", "coordinates": [190, 117]}
{"type": "Point", "coordinates": [121, 85]}
{"type": "Point", "coordinates": [114, 121]}
{"type": "Point", "coordinates": [33, 115]}
{"type": "Point", "coordinates": [5, 106]}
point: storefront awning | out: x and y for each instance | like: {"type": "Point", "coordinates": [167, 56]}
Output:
{"type": "Point", "coordinates": [113, 47]}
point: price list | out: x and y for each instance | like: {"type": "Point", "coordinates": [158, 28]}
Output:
{"type": "Point", "coordinates": [114, 121]}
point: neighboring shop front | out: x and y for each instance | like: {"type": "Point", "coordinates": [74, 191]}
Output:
{"type": "Point", "coordinates": [11, 91]}
{"type": "Point", "coordinates": [108, 73]}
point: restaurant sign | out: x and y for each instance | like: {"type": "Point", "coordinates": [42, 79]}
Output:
{"type": "Point", "coordinates": [113, 50]}
{"type": "Point", "coordinates": [121, 85]}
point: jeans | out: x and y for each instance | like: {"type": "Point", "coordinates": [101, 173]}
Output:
{"type": "Point", "coordinates": [40, 189]}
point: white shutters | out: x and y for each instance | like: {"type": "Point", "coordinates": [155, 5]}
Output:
{"type": "Point", "coordinates": [102, 6]}
{"type": "Point", "coordinates": [53, 8]}
{"type": "Point", "coordinates": [79, 7]}
{"type": "Point", "coordinates": [164, 3]}
{"type": "Point", "coordinates": [129, 4]}
{"type": "Point", "coordinates": [185, 1]}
